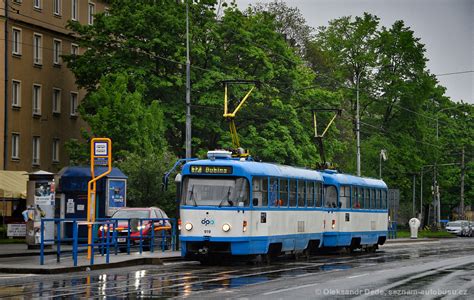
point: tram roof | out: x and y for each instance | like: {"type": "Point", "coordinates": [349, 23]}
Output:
{"type": "Point", "coordinates": [347, 179]}
{"type": "Point", "coordinates": [258, 169]}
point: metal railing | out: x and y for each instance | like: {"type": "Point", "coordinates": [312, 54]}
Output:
{"type": "Point", "coordinates": [108, 233]}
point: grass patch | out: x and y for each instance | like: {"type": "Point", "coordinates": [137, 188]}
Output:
{"type": "Point", "coordinates": [12, 241]}
{"type": "Point", "coordinates": [425, 234]}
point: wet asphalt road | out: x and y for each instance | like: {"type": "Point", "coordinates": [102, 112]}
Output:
{"type": "Point", "coordinates": [431, 270]}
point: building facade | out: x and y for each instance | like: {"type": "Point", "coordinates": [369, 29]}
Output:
{"type": "Point", "coordinates": [39, 98]}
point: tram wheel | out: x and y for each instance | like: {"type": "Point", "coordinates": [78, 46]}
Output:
{"type": "Point", "coordinates": [263, 259]}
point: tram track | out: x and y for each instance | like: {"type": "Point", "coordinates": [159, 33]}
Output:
{"type": "Point", "coordinates": [192, 277]}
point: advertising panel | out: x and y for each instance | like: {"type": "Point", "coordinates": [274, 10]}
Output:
{"type": "Point", "coordinates": [116, 195]}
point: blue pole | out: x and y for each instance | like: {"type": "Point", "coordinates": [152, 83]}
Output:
{"type": "Point", "coordinates": [174, 235]}
{"type": "Point", "coordinates": [58, 245]}
{"type": "Point", "coordinates": [42, 243]}
{"type": "Point", "coordinates": [92, 247]}
{"type": "Point", "coordinates": [74, 242]}
{"type": "Point", "coordinates": [141, 231]}
{"type": "Point", "coordinates": [163, 238]}
{"type": "Point", "coordinates": [114, 236]}
{"type": "Point", "coordinates": [102, 239]}
{"type": "Point", "coordinates": [129, 229]}
{"type": "Point", "coordinates": [152, 239]}
{"type": "Point", "coordinates": [107, 247]}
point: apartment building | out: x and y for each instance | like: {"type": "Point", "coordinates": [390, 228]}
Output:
{"type": "Point", "coordinates": [38, 95]}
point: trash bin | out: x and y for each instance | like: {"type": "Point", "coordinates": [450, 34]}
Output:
{"type": "Point", "coordinates": [414, 225]}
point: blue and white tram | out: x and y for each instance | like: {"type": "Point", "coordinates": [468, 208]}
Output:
{"type": "Point", "coordinates": [357, 215]}
{"type": "Point", "coordinates": [246, 208]}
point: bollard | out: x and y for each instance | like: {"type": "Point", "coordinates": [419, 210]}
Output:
{"type": "Point", "coordinates": [414, 225]}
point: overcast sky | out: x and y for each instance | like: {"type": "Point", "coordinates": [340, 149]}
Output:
{"type": "Point", "coordinates": [446, 27]}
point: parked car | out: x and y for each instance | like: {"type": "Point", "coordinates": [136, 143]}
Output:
{"type": "Point", "coordinates": [161, 227]}
{"type": "Point", "coordinates": [460, 228]}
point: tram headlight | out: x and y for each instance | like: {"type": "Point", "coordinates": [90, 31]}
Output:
{"type": "Point", "coordinates": [188, 226]}
{"type": "Point", "coordinates": [226, 227]}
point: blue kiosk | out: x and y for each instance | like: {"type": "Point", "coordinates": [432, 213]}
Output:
{"type": "Point", "coordinates": [72, 190]}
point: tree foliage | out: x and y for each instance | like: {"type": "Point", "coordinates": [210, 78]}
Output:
{"type": "Point", "coordinates": [133, 68]}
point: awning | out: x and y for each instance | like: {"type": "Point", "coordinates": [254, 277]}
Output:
{"type": "Point", "coordinates": [13, 184]}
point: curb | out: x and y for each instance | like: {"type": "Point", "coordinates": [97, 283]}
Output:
{"type": "Point", "coordinates": [62, 270]}
{"type": "Point", "coordinates": [410, 241]}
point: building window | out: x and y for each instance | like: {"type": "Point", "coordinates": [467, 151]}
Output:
{"type": "Point", "coordinates": [36, 150]}
{"type": "Point", "coordinates": [37, 4]}
{"type": "Point", "coordinates": [17, 1]}
{"type": "Point", "coordinates": [16, 40]}
{"type": "Point", "coordinates": [57, 51]}
{"type": "Point", "coordinates": [74, 49]}
{"type": "Point", "coordinates": [37, 49]}
{"type": "Point", "coordinates": [74, 10]}
{"type": "Point", "coordinates": [56, 101]}
{"type": "Point", "coordinates": [16, 93]}
{"type": "Point", "coordinates": [73, 104]}
{"type": "Point", "coordinates": [37, 100]}
{"type": "Point", "coordinates": [57, 7]}
{"type": "Point", "coordinates": [55, 150]}
{"type": "Point", "coordinates": [15, 146]}
{"type": "Point", "coordinates": [90, 13]}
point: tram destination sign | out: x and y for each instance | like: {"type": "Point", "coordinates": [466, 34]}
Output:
{"type": "Point", "coordinates": [211, 170]}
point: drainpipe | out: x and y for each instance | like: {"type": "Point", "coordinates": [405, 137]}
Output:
{"type": "Point", "coordinates": [5, 138]}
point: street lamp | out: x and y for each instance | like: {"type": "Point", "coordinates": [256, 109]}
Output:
{"type": "Point", "coordinates": [188, 87]}
{"type": "Point", "coordinates": [436, 196]}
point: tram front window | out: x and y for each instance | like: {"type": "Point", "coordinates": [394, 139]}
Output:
{"type": "Point", "coordinates": [215, 192]}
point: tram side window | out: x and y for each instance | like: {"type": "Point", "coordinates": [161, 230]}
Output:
{"type": "Point", "coordinates": [372, 198]}
{"type": "Point", "coordinates": [292, 190]}
{"type": "Point", "coordinates": [260, 191]}
{"type": "Point", "coordinates": [345, 194]}
{"type": "Point", "coordinates": [384, 199]}
{"type": "Point", "coordinates": [310, 195]}
{"type": "Point", "coordinates": [283, 193]}
{"type": "Point", "coordinates": [319, 194]}
{"type": "Point", "coordinates": [301, 193]}
{"type": "Point", "coordinates": [360, 197]}
{"type": "Point", "coordinates": [355, 199]}
{"type": "Point", "coordinates": [377, 199]}
{"type": "Point", "coordinates": [273, 192]}
{"type": "Point", "coordinates": [367, 198]}
{"type": "Point", "coordinates": [330, 196]}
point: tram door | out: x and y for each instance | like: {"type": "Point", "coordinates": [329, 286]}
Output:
{"type": "Point", "coordinates": [331, 218]}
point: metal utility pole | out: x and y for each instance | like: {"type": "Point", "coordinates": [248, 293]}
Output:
{"type": "Point", "coordinates": [188, 88]}
{"type": "Point", "coordinates": [462, 184]}
{"type": "Point", "coordinates": [436, 201]}
{"type": "Point", "coordinates": [358, 123]}
{"type": "Point", "coordinates": [421, 197]}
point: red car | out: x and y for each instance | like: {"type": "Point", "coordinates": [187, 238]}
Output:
{"type": "Point", "coordinates": [135, 214]}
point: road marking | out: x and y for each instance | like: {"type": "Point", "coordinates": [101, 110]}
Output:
{"type": "Point", "coordinates": [355, 276]}
{"type": "Point", "coordinates": [290, 289]}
